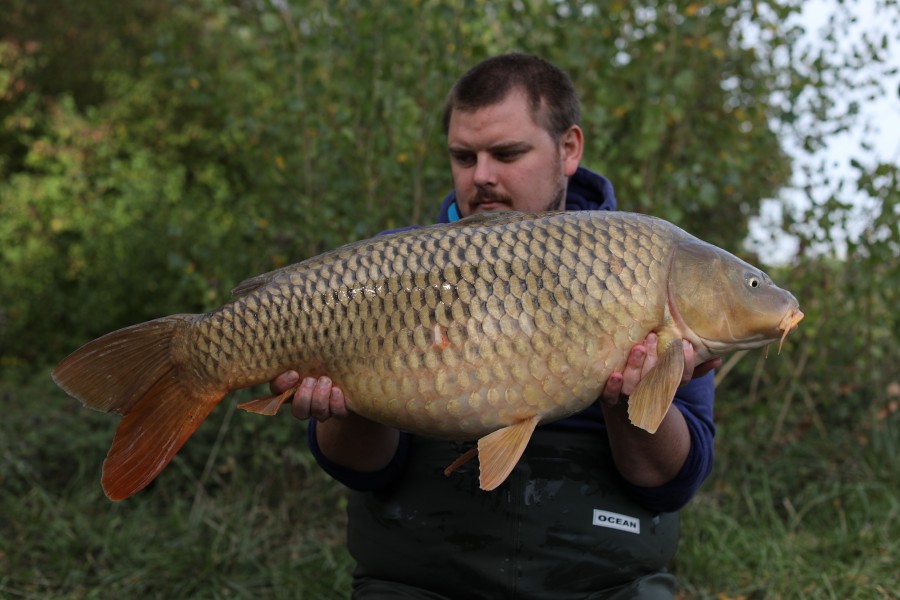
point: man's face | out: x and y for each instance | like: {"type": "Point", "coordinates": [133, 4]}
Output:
{"type": "Point", "coordinates": [502, 160]}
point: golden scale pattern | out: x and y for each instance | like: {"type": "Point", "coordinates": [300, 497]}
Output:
{"type": "Point", "coordinates": [484, 319]}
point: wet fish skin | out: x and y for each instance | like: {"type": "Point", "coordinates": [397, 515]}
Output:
{"type": "Point", "coordinates": [478, 323]}
{"type": "Point", "coordinates": [475, 330]}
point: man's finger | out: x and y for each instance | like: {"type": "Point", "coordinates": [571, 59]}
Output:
{"type": "Point", "coordinates": [704, 368]}
{"type": "Point", "coordinates": [321, 395]}
{"type": "Point", "coordinates": [651, 344]}
{"type": "Point", "coordinates": [689, 358]}
{"type": "Point", "coordinates": [336, 403]}
{"type": "Point", "coordinates": [284, 382]}
{"type": "Point", "coordinates": [300, 406]}
{"type": "Point", "coordinates": [634, 366]}
{"type": "Point", "coordinates": [612, 391]}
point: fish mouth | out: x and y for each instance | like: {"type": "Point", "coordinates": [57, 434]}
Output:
{"type": "Point", "coordinates": [788, 324]}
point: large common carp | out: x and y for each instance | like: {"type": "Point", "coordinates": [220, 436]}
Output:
{"type": "Point", "coordinates": [481, 329]}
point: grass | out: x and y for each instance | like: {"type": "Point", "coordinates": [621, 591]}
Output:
{"type": "Point", "coordinates": [800, 525]}
{"type": "Point", "coordinates": [243, 512]}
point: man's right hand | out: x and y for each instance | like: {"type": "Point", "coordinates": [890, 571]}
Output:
{"type": "Point", "coordinates": [349, 440]}
{"type": "Point", "coordinates": [317, 399]}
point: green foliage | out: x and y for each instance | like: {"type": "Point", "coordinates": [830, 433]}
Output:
{"type": "Point", "coordinates": [206, 141]}
{"type": "Point", "coordinates": [679, 114]}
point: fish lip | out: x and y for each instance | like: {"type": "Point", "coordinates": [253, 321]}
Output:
{"type": "Point", "coordinates": [789, 323]}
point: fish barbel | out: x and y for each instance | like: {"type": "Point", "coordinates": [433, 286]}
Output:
{"type": "Point", "coordinates": [476, 330]}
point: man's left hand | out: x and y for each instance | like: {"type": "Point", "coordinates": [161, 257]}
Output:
{"type": "Point", "coordinates": [641, 360]}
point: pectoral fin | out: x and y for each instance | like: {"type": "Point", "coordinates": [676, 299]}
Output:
{"type": "Point", "coordinates": [499, 452]}
{"type": "Point", "coordinates": [649, 403]}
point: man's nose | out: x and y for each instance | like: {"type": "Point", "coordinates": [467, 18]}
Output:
{"type": "Point", "coordinates": [485, 171]}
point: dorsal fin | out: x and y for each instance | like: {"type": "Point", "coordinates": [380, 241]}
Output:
{"type": "Point", "coordinates": [494, 217]}
{"type": "Point", "coordinates": [251, 285]}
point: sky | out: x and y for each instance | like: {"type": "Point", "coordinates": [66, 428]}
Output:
{"type": "Point", "coordinates": [881, 115]}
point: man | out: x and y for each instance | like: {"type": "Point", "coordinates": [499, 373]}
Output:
{"type": "Point", "coordinates": [589, 509]}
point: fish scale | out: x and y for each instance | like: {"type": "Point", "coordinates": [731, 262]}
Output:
{"type": "Point", "coordinates": [370, 323]}
{"type": "Point", "coordinates": [479, 329]}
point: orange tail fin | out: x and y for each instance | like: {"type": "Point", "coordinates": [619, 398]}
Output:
{"type": "Point", "coordinates": [135, 372]}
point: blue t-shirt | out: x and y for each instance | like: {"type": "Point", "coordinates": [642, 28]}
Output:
{"type": "Point", "coordinates": [586, 191]}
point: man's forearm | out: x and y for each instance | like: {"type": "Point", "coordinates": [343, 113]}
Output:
{"type": "Point", "coordinates": [357, 443]}
{"type": "Point", "coordinates": [644, 459]}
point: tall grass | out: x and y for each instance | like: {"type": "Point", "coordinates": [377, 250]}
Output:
{"type": "Point", "coordinates": [243, 512]}
{"type": "Point", "coordinates": [819, 518]}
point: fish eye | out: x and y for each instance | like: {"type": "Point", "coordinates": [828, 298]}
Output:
{"type": "Point", "coordinates": [754, 281]}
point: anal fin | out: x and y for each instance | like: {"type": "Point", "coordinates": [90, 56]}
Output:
{"type": "Point", "coordinates": [498, 452]}
{"type": "Point", "coordinates": [650, 402]}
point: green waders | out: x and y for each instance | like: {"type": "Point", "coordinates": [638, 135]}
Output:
{"type": "Point", "coordinates": [560, 527]}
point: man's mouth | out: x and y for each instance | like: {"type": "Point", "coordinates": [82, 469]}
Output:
{"type": "Point", "coordinates": [488, 201]}
{"type": "Point", "coordinates": [486, 206]}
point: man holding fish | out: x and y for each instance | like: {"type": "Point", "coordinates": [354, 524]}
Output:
{"type": "Point", "coordinates": [591, 508]}
{"type": "Point", "coordinates": [574, 347]}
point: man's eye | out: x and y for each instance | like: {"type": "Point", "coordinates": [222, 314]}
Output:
{"type": "Point", "coordinates": [508, 156]}
{"type": "Point", "coordinates": [464, 159]}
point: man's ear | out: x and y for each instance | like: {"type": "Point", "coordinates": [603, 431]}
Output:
{"type": "Point", "coordinates": [571, 147]}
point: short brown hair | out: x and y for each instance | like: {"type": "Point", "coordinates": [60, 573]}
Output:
{"type": "Point", "coordinates": [550, 92]}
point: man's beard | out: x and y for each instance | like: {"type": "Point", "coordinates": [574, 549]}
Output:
{"type": "Point", "coordinates": [559, 200]}
{"type": "Point", "coordinates": [486, 196]}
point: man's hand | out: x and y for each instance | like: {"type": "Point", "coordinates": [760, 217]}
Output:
{"type": "Point", "coordinates": [641, 359]}
{"type": "Point", "coordinates": [348, 440]}
{"type": "Point", "coordinates": [645, 459]}
{"type": "Point", "coordinates": [315, 398]}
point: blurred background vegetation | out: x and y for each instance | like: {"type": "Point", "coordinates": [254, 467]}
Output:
{"type": "Point", "coordinates": [154, 154]}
